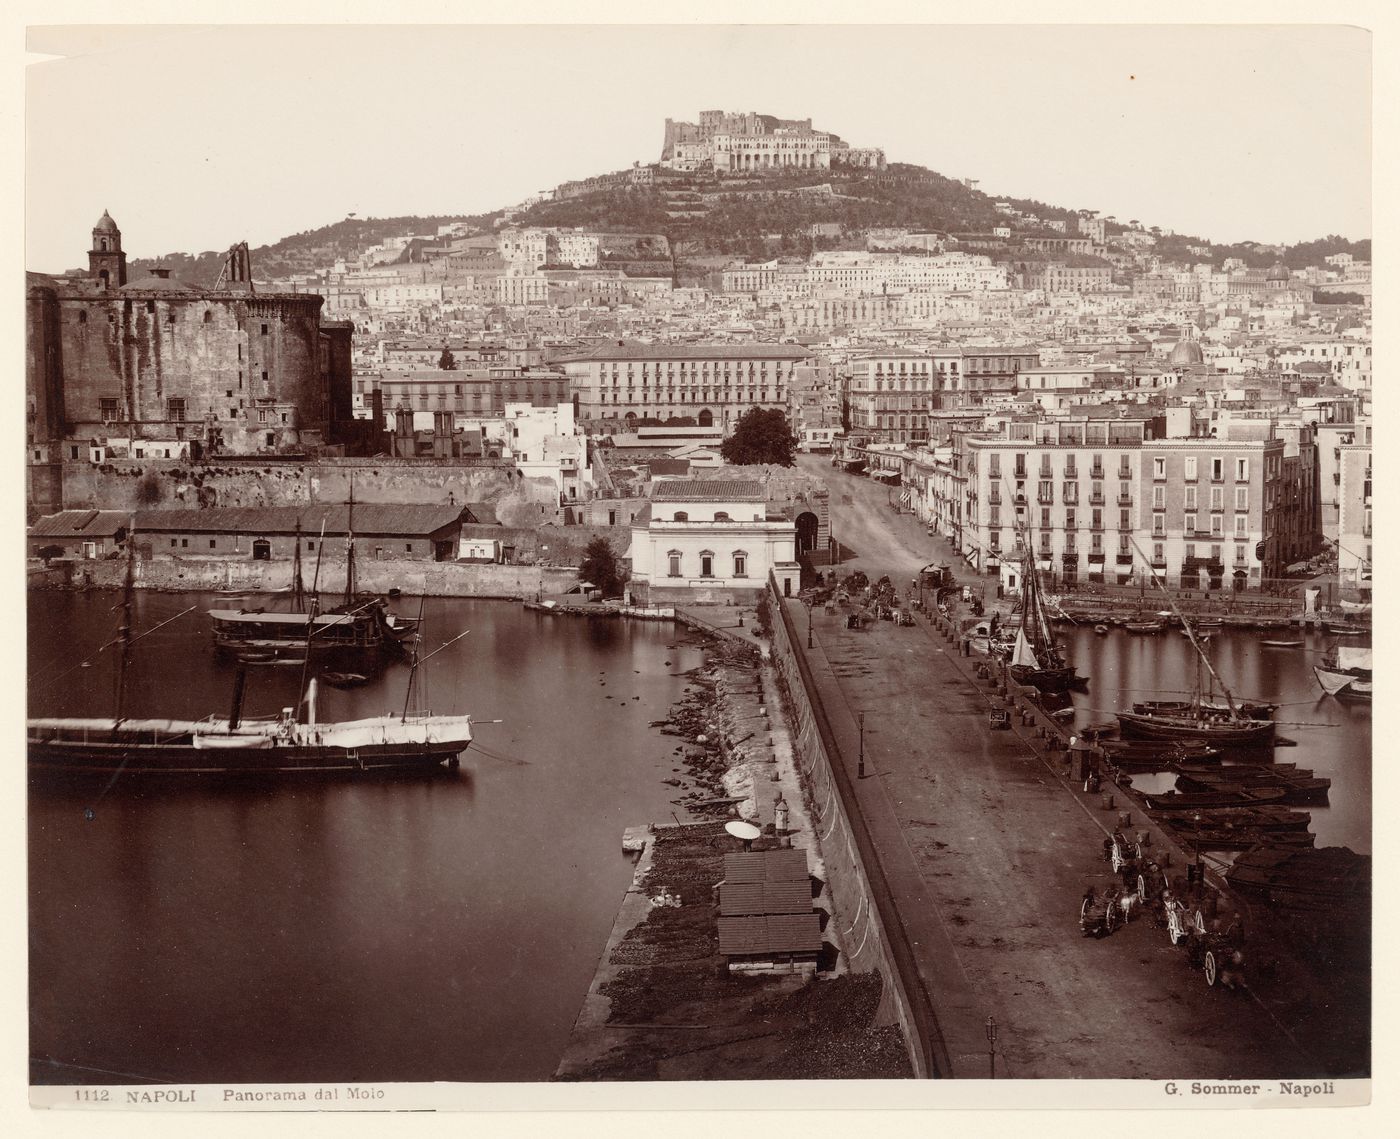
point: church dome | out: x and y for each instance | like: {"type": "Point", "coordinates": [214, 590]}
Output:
{"type": "Point", "coordinates": [1186, 352]}
{"type": "Point", "coordinates": [105, 224]}
{"type": "Point", "coordinates": [1279, 273]}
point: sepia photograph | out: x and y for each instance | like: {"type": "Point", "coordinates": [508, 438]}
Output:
{"type": "Point", "coordinates": [629, 553]}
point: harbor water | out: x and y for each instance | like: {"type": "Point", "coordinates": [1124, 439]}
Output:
{"type": "Point", "coordinates": [432, 928]}
{"type": "Point", "coordinates": [1333, 738]}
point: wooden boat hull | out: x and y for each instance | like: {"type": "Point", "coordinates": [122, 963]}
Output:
{"type": "Point", "coordinates": [1220, 797]}
{"type": "Point", "coordinates": [1248, 733]}
{"type": "Point", "coordinates": [1250, 711]}
{"type": "Point", "coordinates": [1143, 628]}
{"type": "Point", "coordinates": [1327, 879]}
{"type": "Point", "coordinates": [1282, 644]}
{"type": "Point", "coordinates": [1048, 679]}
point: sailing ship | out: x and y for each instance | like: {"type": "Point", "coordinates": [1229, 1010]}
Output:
{"type": "Point", "coordinates": [1345, 673]}
{"type": "Point", "coordinates": [355, 633]}
{"type": "Point", "coordinates": [1199, 719]}
{"type": "Point", "coordinates": [1035, 658]}
{"type": "Point", "coordinates": [278, 746]}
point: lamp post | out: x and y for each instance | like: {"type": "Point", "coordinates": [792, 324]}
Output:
{"type": "Point", "coordinates": [992, 1047]}
{"type": "Point", "coordinates": [810, 606]}
{"type": "Point", "coordinates": [1196, 853]}
{"type": "Point", "coordinates": [860, 763]}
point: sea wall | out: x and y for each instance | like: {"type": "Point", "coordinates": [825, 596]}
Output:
{"type": "Point", "coordinates": [859, 906]}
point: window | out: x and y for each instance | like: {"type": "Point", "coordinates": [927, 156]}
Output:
{"type": "Point", "coordinates": [1069, 520]}
{"type": "Point", "coordinates": [1188, 524]}
{"type": "Point", "coordinates": [175, 410]}
{"type": "Point", "coordinates": [741, 564]}
{"type": "Point", "coordinates": [1217, 525]}
{"type": "Point", "coordinates": [1240, 555]}
{"type": "Point", "coordinates": [721, 516]}
{"type": "Point", "coordinates": [172, 541]}
{"type": "Point", "coordinates": [1241, 470]}
{"type": "Point", "coordinates": [264, 330]}
{"type": "Point", "coordinates": [1215, 553]}
{"type": "Point", "coordinates": [1159, 524]}
{"type": "Point", "coordinates": [184, 543]}
{"type": "Point", "coordinates": [1159, 467]}
{"type": "Point", "coordinates": [108, 409]}
{"type": "Point", "coordinates": [707, 563]}
{"type": "Point", "coordinates": [1217, 469]}
{"type": "Point", "coordinates": [1217, 498]}
{"type": "Point", "coordinates": [213, 543]}
{"type": "Point", "coordinates": [1190, 498]}
{"type": "Point", "coordinates": [408, 547]}
{"type": "Point", "coordinates": [82, 316]}
{"type": "Point", "coordinates": [1241, 524]}
{"type": "Point", "coordinates": [1159, 553]}
{"type": "Point", "coordinates": [1190, 473]}
{"type": "Point", "coordinates": [1241, 498]}
{"type": "Point", "coordinates": [1159, 497]}
{"type": "Point", "coordinates": [208, 317]}
{"type": "Point", "coordinates": [680, 516]}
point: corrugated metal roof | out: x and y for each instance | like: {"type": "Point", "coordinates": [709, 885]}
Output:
{"type": "Point", "coordinates": [707, 490]}
{"type": "Point", "coordinates": [371, 519]}
{"type": "Point", "coordinates": [737, 898]}
{"type": "Point", "coordinates": [80, 524]}
{"type": "Point", "coordinates": [771, 934]}
{"type": "Point", "coordinates": [766, 866]}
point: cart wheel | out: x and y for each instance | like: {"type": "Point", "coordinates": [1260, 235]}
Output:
{"type": "Point", "coordinates": [1142, 889]}
{"type": "Point", "coordinates": [1209, 965]}
{"type": "Point", "coordinates": [1110, 915]}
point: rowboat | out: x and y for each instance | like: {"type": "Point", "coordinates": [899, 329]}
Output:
{"type": "Point", "coordinates": [1282, 644]}
{"type": "Point", "coordinates": [1225, 795]}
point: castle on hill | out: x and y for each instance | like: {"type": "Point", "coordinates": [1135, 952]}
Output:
{"type": "Point", "coordinates": [741, 142]}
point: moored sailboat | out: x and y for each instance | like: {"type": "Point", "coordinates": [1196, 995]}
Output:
{"type": "Point", "coordinates": [1036, 659]}
{"type": "Point", "coordinates": [1345, 673]}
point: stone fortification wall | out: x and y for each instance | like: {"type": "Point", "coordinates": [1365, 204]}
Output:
{"type": "Point", "coordinates": [433, 579]}
{"type": "Point", "coordinates": [858, 907]}
{"type": "Point", "coordinates": [150, 485]}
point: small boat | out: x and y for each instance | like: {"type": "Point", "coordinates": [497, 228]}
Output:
{"type": "Point", "coordinates": [1219, 731]}
{"type": "Point", "coordinates": [1345, 670]}
{"type": "Point", "coordinates": [1225, 795]}
{"type": "Point", "coordinates": [1271, 817]}
{"type": "Point", "coordinates": [1238, 838]}
{"type": "Point", "coordinates": [1282, 644]}
{"type": "Point", "coordinates": [1101, 630]}
{"type": "Point", "coordinates": [1345, 629]}
{"type": "Point", "coordinates": [344, 679]}
{"type": "Point", "coordinates": [1299, 785]}
{"type": "Point", "coordinates": [1144, 627]}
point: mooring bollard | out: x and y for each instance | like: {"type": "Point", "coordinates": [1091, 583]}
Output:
{"type": "Point", "coordinates": [1108, 800]}
{"type": "Point", "coordinates": [1125, 820]}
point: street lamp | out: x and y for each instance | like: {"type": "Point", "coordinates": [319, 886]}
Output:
{"type": "Point", "coordinates": [992, 1046]}
{"type": "Point", "coordinates": [810, 606]}
{"type": "Point", "coordinates": [860, 763]}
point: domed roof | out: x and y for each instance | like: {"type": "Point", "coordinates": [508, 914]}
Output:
{"type": "Point", "coordinates": [105, 224]}
{"type": "Point", "coordinates": [1186, 352]}
{"type": "Point", "coordinates": [1279, 273]}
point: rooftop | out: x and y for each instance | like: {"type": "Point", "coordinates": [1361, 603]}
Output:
{"type": "Point", "coordinates": [708, 490]}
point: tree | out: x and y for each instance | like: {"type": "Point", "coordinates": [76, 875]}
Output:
{"type": "Point", "coordinates": [762, 435]}
{"type": "Point", "coordinates": [447, 362]}
{"type": "Point", "coordinates": [600, 567]}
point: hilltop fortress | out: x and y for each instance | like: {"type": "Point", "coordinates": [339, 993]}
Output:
{"type": "Point", "coordinates": [745, 141]}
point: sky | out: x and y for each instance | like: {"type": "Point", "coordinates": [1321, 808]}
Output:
{"type": "Point", "coordinates": [198, 137]}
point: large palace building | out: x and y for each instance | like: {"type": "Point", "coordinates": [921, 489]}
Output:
{"type": "Point", "coordinates": [154, 368]}
{"type": "Point", "coordinates": [747, 142]}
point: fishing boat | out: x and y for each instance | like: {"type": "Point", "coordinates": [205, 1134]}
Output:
{"type": "Point", "coordinates": [1101, 630]}
{"type": "Point", "coordinates": [1282, 644]}
{"type": "Point", "coordinates": [1035, 658]}
{"type": "Point", "coordinates": [1345, 672]}
{"type": "Point", "coordinates": [1299, 785]}
{"type": "Point", "coordinates": [1345, 629]}
{"type": "Point", "coordinates": [1224, 795]}
{"type": "Point", "coordinates": [1200, 719]}
{"type": "Point", "coordinates": [1238, 838]}
{"type": "Point", "coordinates": [1144, 627]}
{"type": "Point", "coordinates": [1253, 710]}
{"type": "Point", "coordinates": [1269, 817]}
{"type": "Point", "coordinates": [279, 746]}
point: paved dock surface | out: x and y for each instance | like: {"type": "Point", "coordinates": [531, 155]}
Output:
{"type": "Point", "coordinates": [988, 854]}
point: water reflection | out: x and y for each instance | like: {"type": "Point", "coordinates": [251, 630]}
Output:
{"type": "Point", "coordinates": [414, 929]}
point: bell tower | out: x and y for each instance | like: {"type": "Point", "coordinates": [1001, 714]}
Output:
{"type": "Point", "coordinates": [106, 261]}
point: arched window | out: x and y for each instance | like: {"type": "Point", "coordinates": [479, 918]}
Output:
{"type": "Point", "coordinates": [82, 316]}
{"type": "Point", "coordinates": [673, 563]}
{"type": "Point", "coordinates": [707, 418]}
{"type": "Point", "coordinates": [680, 516]}
{"type": "Point", "coordinates": [741, 563]}
{"type": "Point", "coordinates": [262, 550]}
{"type": "Point", "coordinates": [721, 516]}
{"type": "Point", "coordinates": [707, 563]}
{"type": "Point", "coordinates": [208, 317]}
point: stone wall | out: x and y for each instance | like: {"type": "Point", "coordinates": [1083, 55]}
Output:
{"type": "Point", "coordinates": [433, 579]}
{"type": "Point", "coordinates": [857, 906]}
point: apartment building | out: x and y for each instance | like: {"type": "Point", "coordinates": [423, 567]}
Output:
{"type": "Point", "coordinates": [1108, 500]}
{"type": "Point", "coordinates": [714, 383]}
{"type": "Point", "coordinates": [1354, 511]}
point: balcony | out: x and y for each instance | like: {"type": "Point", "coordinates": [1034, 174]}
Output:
{"type": "Point", "coordinates": [1125, 500]}
{"type": "Point", "coordinates": [1124, 559]}
{"type": "Point", "coordinates": [1096, 472]}
{"type": "Point", "coordinates": [1045, 497]}
{"type": "Point", "coordinates": [1096, 557]}
{"type": "Point", "coordinates": [1096, 499]}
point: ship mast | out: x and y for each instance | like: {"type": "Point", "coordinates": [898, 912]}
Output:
{"type": "Point", "coordinates": [124, 659]}
{"type": "Point", "coordinates": [298, 590]}
{"type": "Point", "coordinates": [350, 547]}
{"type": "Point", "coordinates": [1191, 636]}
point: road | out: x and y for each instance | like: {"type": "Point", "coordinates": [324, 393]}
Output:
{"type": "Point", "coordinates": [988, 852]}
